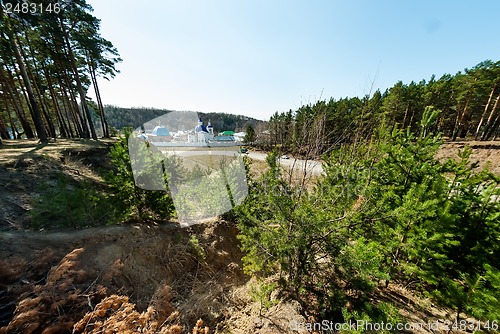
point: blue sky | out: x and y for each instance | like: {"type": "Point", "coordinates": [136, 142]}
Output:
{"type": "Point", "coordinates": [261, 56]}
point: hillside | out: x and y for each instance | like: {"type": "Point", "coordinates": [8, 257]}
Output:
{"type": "Point", "coordinates": [134, 117]}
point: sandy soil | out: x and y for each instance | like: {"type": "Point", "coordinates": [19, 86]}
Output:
{"type": "Point", "coordinates": [135, 261]}
{"type": "Point", "coordinates": [485, 153]}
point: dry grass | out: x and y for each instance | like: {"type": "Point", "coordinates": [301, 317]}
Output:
{"type": "Point", "coordinates": [51, 307]}
{"type": "Point", "coordinates": [120, 279]}
{"type": "Point", "coordinates": [12, 269]}
{"type": "Point", "coordinates": [116, 314]}
{"type": "Point", "coordinates": [257, 168]}
{"type": "Point", "coordinates": [75, 298]}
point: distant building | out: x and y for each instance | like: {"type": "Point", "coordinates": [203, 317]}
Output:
{"type": "Point", "coordinates": [204, 134]}
{"type": "Point", "coordinates": [200, 127]}
{"type": "Point", "coordinates": [239, 136]}
{"type": "Point", "coordinates": [159, 134]}
{"type": "Point", "coordinates": [200, 134]}
{"type": "Point", "coordinates": [160, 131]}
{"type": "Point", "coordinates": [224, 138]}
{"type": "Point", "coordinates": [210, 128]}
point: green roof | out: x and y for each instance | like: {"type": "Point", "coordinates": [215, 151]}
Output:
{"type": "Point", "coordinates": [228, 133]}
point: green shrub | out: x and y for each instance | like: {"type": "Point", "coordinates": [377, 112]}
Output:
{"type": "Point", "coordinates": [384, 211]}
{"type": "Point", "coordinates": [198, 249]}
{"type": "Point", "coordinates": [380, 318]}
{"type": "Point", "coordinates": [131, 201]}
{"type": "Point", "coordinates": [68, 204]}
{"type": "Point", "coordinates": [261, 293]}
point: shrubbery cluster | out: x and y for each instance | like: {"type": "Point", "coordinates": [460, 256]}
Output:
{"type": "Point", "coordinates": [386, 210]}
{"type": "Point", "coordinates": [132, 201]}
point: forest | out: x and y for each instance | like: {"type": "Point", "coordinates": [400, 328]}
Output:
{"type": "Point", "coordinates": [119, 118]}
{"type": "Point", "coordinates": [49, 62]}
{"type": "Point", "coordinates": [467, 106]}
{"type": "Point", "coordinates": [50, 58]}
{"type": "Point", "coordinates": [387, 210]}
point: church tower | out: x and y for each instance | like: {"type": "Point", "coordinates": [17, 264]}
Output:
{"type": "Point", "coordinates": [210, 128]}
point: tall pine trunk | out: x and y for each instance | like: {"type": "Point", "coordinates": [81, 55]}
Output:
{"type": "Point", "coordinates": [459, 122]}
{"type": "Point", "coordinates": [37, 85]}
{"type": "Point", "coordinates": [7, 104]}
{"type": "Point", "coordinates": [78, 117]}
{"type": "Point", "coordinates": [79, 85]}
{"type": "Point", "coordinates": [14, 101]}
{"type": "Point", "coordinates": [37, 118]}
{"type": "Point", "coordinates": [490, 124]}
{"type": "Point", "coordinates": [485, 112]}
{"type": "Point", "coordinates": [4, 132]}
{"type": "Point", "coordinates": [104, 122]}
{"type": "Point", "coordinates": [63, 127]}
{"type": "Point", "coordinates": [69, 112]}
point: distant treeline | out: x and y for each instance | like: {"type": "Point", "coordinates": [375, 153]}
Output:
{"type": "Point", "coordinates": [466, 105]}
{"type": "Point", "coordinates": [134, 117]}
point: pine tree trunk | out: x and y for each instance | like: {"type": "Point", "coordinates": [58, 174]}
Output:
{"type": "Point", "coordinates": [486, 132]}
{"type": "Point", "coordinates": [21, 116]}
{"type": "Point", "coordinates": [405, 116]}
{"type": "Point", "coordinates": [494, 128]}
{"type": "Point", "coordinates": [77, 80]}
{"type": "Point", "coordinates": [485, 111]}
{"type": "Point", "coordinates": [496, 133]}
{"type": "Point", "coordinates": [4, 132]}
{"type": "Point", "coordinates": [71, 106]}
{"type": "Point", "coordinates": [37, 89]}
{"type": "Point", "coordinates": [49, 124]}
{"type": "Point", "coordinates": [69, 119]}
{"type": "Point", "coordinates": [63, 127]}
{"type": "Point", "coordinates": [80, 125]}
{"type": "Point", "coordinates": [411, 117]}
{"type": "Point", "coordinates": [37, 118]}
{"type": "Point", "coordinates": [459, 126]}
{"type": "Point", "coordinates": [79, 117]}
{"type": "Point", "coordinates": [15, 132]}
{"type": "Point", "coordinates": [67, 110]}
{"type": "Point", "coordinates": [23, 94]}
{"type": "Point", "coordinates": [104, 122]}
{"type": "Point", "coordinates": [10, 100]}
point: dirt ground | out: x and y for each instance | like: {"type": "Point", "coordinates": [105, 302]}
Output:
{"type": "Point", "coordinates": [25, 166]}
{"type": "Point", "coordinates": [485, 153]}
{"type": "Point", "coordinates": [51, 280]}
{"type": "Point", "coordinates": [138, 277]}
